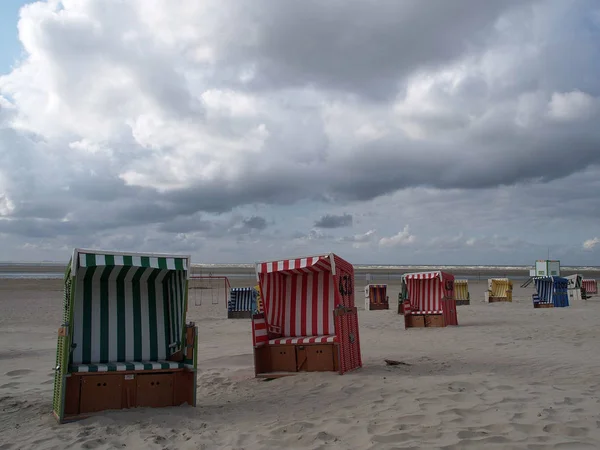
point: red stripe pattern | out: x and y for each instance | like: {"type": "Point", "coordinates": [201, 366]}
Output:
{"type": "Point", "coordinates": [425, 291]}
{"type": "Point", "coordinates": [305, 340]}
{"type": "Point", "coordinates": [346, 326]}
{"type": "Point", "coordinates": [590, 286]}
{"type": "Point", "coordinates": [300, 304]}
{"type": "Point", "coordinates": [259, 329]}
{"type": "Point", "coordinates": [431, 293]}
{"type": "Point", "coordinates": [311, 264]}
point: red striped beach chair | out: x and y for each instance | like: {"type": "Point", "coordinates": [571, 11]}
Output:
{"type": "Point", "coordinates": [123, 341]}
{"type": "Point", "coordinates": [376, 297]}
{"type": "Point", "coordinates": [591, 286]}
{"type": "Point", "coordinates": [429, 300]}
{"type": "Point", "coordinates": [309, 321]}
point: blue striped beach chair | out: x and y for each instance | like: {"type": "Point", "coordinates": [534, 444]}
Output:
{"type": "Point", "coordinates": [242, 303]}
{"type": "Point", "coordinates": [551, 292]}
{"type": "Point", "coordinates": [124, 342]}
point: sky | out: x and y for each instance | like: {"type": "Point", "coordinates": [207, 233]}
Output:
{"type": "Point", "coordinates": [389, 132]}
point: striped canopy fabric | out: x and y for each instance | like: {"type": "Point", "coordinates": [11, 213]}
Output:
{"type": "Point", "coordinates": [590, 286]}
{"type": "Point", "coordinates": [242, 299]}
{"type": "Point", "coordinates": [499, 287]}
{"type": "Point", "coordinates": [552, 290]}
{"type": "Point", "coordinates": [461, 289]}
{"type": "Point", "coordinates": [299, 295]}
{"type": "Point", "coordinates": [425, 290]}
{"type": "Point", "coordinates": [309, 264]}
{"type": "Point", "coordinates": [376, 293]}
{"type": "Point", "coordinates": [127, 307]}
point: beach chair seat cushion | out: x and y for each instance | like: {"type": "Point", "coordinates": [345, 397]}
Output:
{"type": "Point", "coordinates": [126, 366]}
{"type": "Point", "coordinates": [305, 340]}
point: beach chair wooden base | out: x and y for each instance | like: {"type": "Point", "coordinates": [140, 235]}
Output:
{"type": "Point", "coordinates": [93, 392]}
{"type": "Point", "coordinates": [499, 299]}
{"type": "Point", "coordinates": [543, 305]}
{"type": "Point", "coordinates": [274, 361]}
{"type": "Point", "coordinates": [424, 321]}
{"type": "Point", "coordinates": [239, 314]}
{"type": "Point", "coordinates": [463, 302]}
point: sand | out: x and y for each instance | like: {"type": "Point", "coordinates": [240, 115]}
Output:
{"type": "Point", "coordinates": [508, 377]}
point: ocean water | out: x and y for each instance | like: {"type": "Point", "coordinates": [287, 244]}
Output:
{"type": "Point", "coordinates": [250, 274]}
{"type": "Point", "coordinates": [32, 275]}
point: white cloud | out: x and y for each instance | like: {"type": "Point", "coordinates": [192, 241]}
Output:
{"type": "Point", "coordinates": [6, 205]}
{"type": "Point", "coordinates": [591, 243]}
{"type": "Point", "coordinates": [136, 120]}
{"type": "Point", "coordinates": [401, 238]}
{"type": "Point", "coordinates": [360, 240]}
{"type": "Point", "coordinates": [572, 106]}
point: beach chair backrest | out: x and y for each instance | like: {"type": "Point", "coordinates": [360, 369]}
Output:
{"type": "Point", "coordinates": [242, 299]}
{"type": "Point", "coordinates": [500, 286]}
{"type": "Point", "coordinates": [544, 287]}
{"type": "Point", "coordinates": [127, 307]}
{"type": "Point", "coordinates": [299, 295]}
{"type": "Point", "coordinates": [376, 293]}
{"type": "Point", "coordinates": [461, 289]}
{"type": "Point", "coordinates": [426, 290]}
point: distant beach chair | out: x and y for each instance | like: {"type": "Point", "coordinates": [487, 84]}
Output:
{"type": "Point", "coordinates": [123, 342]}
{"type": "Point", "coordinates": [242, 303]}
{"type": "Point", "coordinates": [429, 299]}
{"type": "Point", "coordinates": [376, 297]}
{"type": "Point", "coordinates": [461, 292]}
{"type": "Point", "coordinates": [499, 290]}
{"type": "Point", "coordinates": [309, 322]}
{"type": "Point", "coordinates": [551, 292]}
{"type": "Point", "coordinates": [259, 302]}
{"type": "Point", "coordinates": [576, 291]}
{"type": "Point", "coordinates": [591, 286]}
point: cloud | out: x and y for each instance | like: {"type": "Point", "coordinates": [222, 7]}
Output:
{"type": "Point", "coordinates": [333, 221]}
{"type": "Point", "coordinates": [142, 120]}
{"type": "Point", "coordinates": [591, 243]}
{"type": "Point", "coordinates": [572, 106]}
{"type": "Point", "coordinates": [401, 238]}
{"type": "Point", "coordinates": [312, 235]}
{"type": "Point", "coordinates": [360, 240]}
{"type": "Point", "coordinates": [255, 223]}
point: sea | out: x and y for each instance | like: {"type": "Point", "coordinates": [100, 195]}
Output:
{"type": "Point", "coordinates": [368, 272]}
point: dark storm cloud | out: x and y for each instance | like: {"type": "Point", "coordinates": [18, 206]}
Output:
{"type": "Point", "coordinates": [355, 46]}
{"type": "Point", "coordinates": [187, 224]}
{"type": "Point", "coordinates": [334, 221]}
{"type": "Point", "coordinates": [481, 96]}
{"type": "Point", "coordinates": [255, 223]}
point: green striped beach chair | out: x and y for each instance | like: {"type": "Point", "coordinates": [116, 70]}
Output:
{"type": "Point", "coordinates": [124, 342]}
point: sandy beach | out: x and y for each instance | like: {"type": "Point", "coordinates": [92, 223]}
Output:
{"type": "Point", "coordinates": [507, 377]}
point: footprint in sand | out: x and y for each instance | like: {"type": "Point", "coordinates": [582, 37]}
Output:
{"type": "Point", "coordinates": [564, 430]}
{"type": "Point", "coordinates": [9, 385]}
{"type": "Point", "coordinates": [574, 446]}
{"type": "Point", "coordinates": [471, 434]}
{"type": "Point", "coordinates": [394, 438]}
{"type": "Point", "coordinates": [18, 373]}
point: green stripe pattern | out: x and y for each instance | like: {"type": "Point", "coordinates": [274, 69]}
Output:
{"type": "Point", "coordinates": [124, 366]}
{"type": "Point", "coordinates": [127, 309]}
{"type": "Point", "coordinates": [159, 262]}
